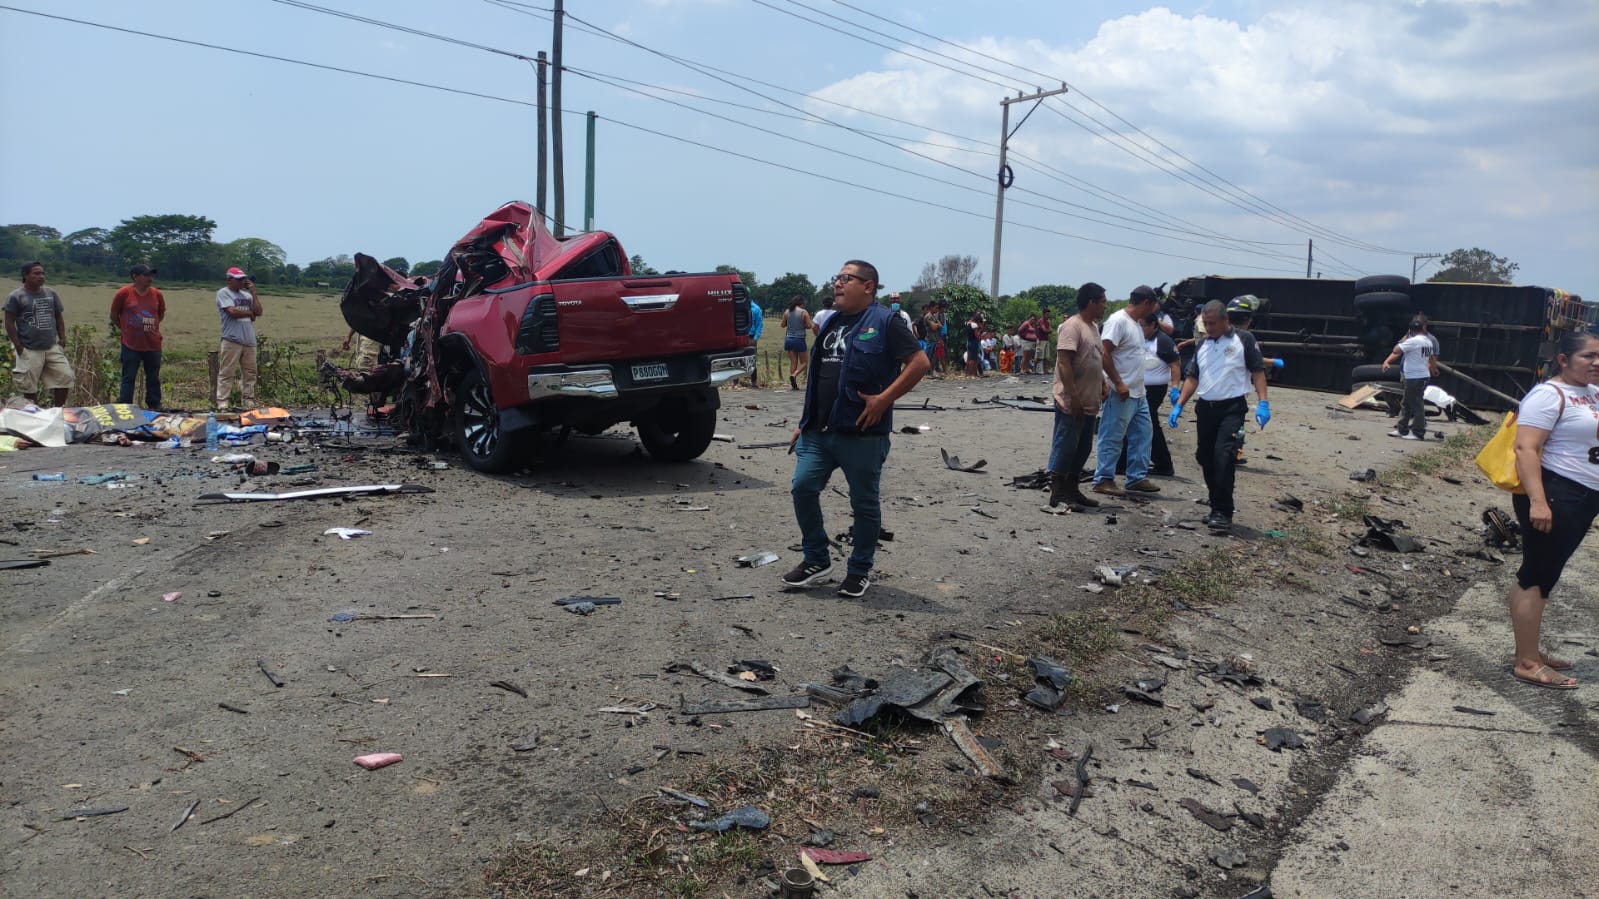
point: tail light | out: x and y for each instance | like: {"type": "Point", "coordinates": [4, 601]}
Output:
{"type": "Point", "coordinates": [741, 309]}
{"type": "Point", "coordinates": [538, 332]}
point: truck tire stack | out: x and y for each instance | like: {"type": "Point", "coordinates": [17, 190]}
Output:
{"type": "Point", "coordinates": [1384, 305]}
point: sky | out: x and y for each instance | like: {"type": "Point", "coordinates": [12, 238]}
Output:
{"type": "Point", "coordinates": [789, 135]}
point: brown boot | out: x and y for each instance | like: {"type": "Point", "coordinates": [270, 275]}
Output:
{"type": "Point", "coordinates": [1057, 490]}
{"type": "Point", "coordinates": [1074, 494]}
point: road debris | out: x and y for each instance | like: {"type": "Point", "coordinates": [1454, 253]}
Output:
{"type": "Point", "coordinates": [834, 856]}
{"type": "Point", "coordinates": [953, 463]}
{"type": "Point", "coordinates": [1205, 816]}
{"type": "Point", "coordinates": [694, 666]}
{"type": "Point", "coordinates": [942, 688]}
{"type": "Point", "coordinates": [375, 760]}
{"type": "Point", "coordinates": [756, 560]}
{"type": "Point", "coordinates": [591, 600]}
{"type": "Point", "coordinates": [1228, 858]}
{"type": "Point", "coordinates": [78, 813]}
{"type": "Point", "coordinates": [234, 811]}
{"type": "Point", "coordinates": [1370, 713]}
{"type": "Point", "coordinates": [966, 742]}
{"type": "Point", "coordinates": [187, 813]}
{"type": "Point", "coordinates": [764, 704]}
{"type": "Point", "coordinates": [318, 493]}
{"type": "Point", "coordinates": [748, 817]}
{"type": "Point", "coordinates": [508, 687]}
{"type": "Point", "coordinates": [1051, 679]}
{"type": "Point", "coordinates": [276, 681]}
{"type": "Point", "coordinates": [1279, 738]}
{"type": "Point", "coordinates": [529, 742]}
{"type": "Point", "coordinates": [346, 533]}
{"type": "Point", "coordinates": [684, 797]}
{"type": "Point", "coordinates": [232, 708]}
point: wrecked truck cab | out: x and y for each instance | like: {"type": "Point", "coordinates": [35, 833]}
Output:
{"type": "Point", "coordinates": [523, 333]}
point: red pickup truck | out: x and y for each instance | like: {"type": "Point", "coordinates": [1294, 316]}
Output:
{"type": "Point", "coordinates": [521, 333]}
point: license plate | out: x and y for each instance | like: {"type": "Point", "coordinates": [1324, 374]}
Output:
{"type": "Point", "coordinates": [654, 371]}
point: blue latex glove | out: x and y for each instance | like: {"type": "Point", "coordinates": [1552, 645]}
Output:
{"type": "Point", "coordinates": [1262, 414]}
{"type": "Point", "coordinates": [1277, 363]}
{"type": "Point", "coordinates": [1175, 393]}
{"type": "Point", "coordinates": [1176, 410]}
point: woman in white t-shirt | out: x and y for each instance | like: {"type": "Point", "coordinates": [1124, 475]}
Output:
{"type": "Point", "coordinates": [1557, 458]}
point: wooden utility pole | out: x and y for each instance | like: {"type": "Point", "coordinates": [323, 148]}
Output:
{"type": "Point", "coordinates": [1006, 176]}
{"type": "Point", "coordinates": [555, 130]}
{"type": "Point", "coordinates": [544, 132]}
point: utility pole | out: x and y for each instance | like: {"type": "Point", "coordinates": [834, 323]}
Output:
{"type": "Point", "coordinates": [588, 183]}
{"type": "Point", "coordinates": [1006, 177]}
{"type": "Point", "coordinates": [1310, 254]}
{"type": "Point", "coordinates": [544, 135]}
{"type": "Point", "coordinates": [555, 131]}
{"type": "Point", "coordinates": [1417, 258]}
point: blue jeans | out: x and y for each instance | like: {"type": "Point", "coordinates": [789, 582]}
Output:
{"type": "Point", "coordinates": [1124, 422]}
{"type": "Point", "coordinates": [151, 360]}
{"type": "Point", "coordinates": [1071, 443]}
{"type": "Point", "coordinates": [816, 455]}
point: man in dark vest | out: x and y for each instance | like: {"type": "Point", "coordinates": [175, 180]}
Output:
{"type": "Point", "coordinates": [863, 360]}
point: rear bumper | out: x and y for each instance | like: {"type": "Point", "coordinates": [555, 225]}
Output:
{"type": "Point", "coordinates": [612, 380]}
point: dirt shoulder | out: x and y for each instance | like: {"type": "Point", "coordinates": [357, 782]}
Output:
{"type": "Point", "coordinates": [112, 696]}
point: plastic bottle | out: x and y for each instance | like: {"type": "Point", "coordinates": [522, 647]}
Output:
{"type": "Point", "coordinates": [211, 430]}
{"type": "Point", "coordinates": [58, 476]}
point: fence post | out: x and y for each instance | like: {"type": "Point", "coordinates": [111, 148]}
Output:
{"type": "Point", "coordinates": [211, 366]}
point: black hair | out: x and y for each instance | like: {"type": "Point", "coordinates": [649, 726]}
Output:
{"type": "Point", "coordinates": [1088, 293]}
{"type": "Point", "coordinates": [827, 301]}
{"type": "Point", "coordinates": [30, 266]}
{"type": "Point", "coordinates": [795, 301]}
{"type": "Point", "coordinates": [1570, 344]}
{"type": "Point", "coordinates": [869, 269]}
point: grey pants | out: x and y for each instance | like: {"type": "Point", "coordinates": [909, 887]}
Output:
{"type": "Point", "coordinates": [1413, 412]}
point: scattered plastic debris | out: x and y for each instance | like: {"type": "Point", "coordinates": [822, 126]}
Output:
{"type": "Point", "coordinates": [346, 533]}
{"type": "Point", "coordinates": [748, 817]}
{"type": "Point", "coordinates": [1279, 738]}
{"type": "Point", "coordinates": [1051, 678]}
{"type": "Point", "coordinates": [756, 560]}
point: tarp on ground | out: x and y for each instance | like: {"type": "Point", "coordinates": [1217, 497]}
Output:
{"type": "Point", "coordinates": [46, 427]}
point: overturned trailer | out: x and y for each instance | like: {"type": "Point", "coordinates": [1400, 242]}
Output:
{"type": "Point", "coordinates": [1497, 340]}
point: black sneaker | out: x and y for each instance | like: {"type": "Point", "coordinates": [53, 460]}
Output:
{"type": "Point", "coordinates": [1220, 521]}
{"type": "Point", "coordinates": [854, 585]}
{"type": "Point", "coordinates": [808, 573]}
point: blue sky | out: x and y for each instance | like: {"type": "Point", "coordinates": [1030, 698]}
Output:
{"type": "Point", "coordinates": [1379, 127]}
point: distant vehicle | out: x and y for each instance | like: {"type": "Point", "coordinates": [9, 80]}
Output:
{"type": "Point", "coordinates": [1497, 340]}
{"type": "Point", "coordinates": [522, 333]}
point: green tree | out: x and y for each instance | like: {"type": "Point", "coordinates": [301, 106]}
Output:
{"type": "Point", "coordinates": [17, 245]}
{"type": "Point", "coordinates": [963, 300]}
{"type": "Point", "coordinates": [751, 283]}
{"type": "Point", "coordinates": [431, 267]}
{"type": "Point", "coordinates": [91, 248]}
{"type": "Point", "coordinates": [1014, 310]}
{"type": "Point", "coordinates": [777, 294]}
{"type": "Point", "coordinates": [1057, 298]}
{"type": "Point", "coordinates": [334, 271]}
{"type": "Point", "coordinates": [291, 274]}
{"type": "Point", "coordinates": [179, 245]}
{"type": "Point", "coordinates": [399, 264]}
{"type": "Point", "coordinates": [40, 233]}
{"type": "Point", "coordinates": [639, 266]}
{"type": "Point", "coordinates": [1475, 266]}
{"type": "Point", "coordinates": [262, 258]}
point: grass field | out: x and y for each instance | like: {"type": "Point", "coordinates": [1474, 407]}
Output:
{"type": "Point", "coordinates": [292, 328]}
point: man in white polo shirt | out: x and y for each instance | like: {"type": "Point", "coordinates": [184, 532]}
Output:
{"type": "Point", "coordinates": [1226, 362]}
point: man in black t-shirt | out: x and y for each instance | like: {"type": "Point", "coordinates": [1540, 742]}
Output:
{"type": "Point", "coordinates": [863, 360]}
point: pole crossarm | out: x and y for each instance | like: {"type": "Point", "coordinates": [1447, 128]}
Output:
{"type": "Point", "coordinates": [1006, 176]}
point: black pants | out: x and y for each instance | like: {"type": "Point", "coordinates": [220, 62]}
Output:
{"type": "Point", "coordinates": [1544, 556]}
{"type": "Point", "coordinates": [1413, 411]}
{"type": "Point", "coordinates": [1159, 453]}
{"type": "Point", "coordinates": [1219, 422]}
{"type": "Point", "coordinates": [131, 361]}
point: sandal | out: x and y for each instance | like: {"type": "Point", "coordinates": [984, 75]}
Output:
{"type": "Point", "coordinates": [1554, 662]}
{"type": "Point", "coordinates": [1544, 676]}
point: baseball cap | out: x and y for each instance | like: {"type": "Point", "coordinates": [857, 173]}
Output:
{"type": "Point", "coordinates": [1141, 293]}
{"type": "Point", "coordinates": [141, 269]}
{"type": "Point", "coordinates": [237, 272]}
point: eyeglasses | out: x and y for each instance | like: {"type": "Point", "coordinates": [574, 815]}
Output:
{"type": "Point", "coordinates": [846, 277]}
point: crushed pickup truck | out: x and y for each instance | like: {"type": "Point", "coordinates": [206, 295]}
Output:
{"type": "Point", "coordinates": [521, 333]}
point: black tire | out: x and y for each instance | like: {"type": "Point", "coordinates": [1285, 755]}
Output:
{"type": "Point", "coordinates": [476, 424]}
{"type": "Point", "coordinates": [677, 433]}
{"type": "Point", "coordinates": [1375, 283]}
{"type": "Point", "coordinates": [1361, 374]}
{"type": "Point", "coordinates": [1383, 303]}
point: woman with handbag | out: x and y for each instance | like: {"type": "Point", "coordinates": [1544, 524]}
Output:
{"type": "Point", "coordinates": [1557, 458]}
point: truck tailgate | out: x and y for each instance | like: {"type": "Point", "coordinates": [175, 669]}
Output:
{"type": "Point", "coordinates": [606, 319]}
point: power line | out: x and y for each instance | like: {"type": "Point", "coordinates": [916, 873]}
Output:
{"type": "Point", "coordinates": [625, 124]}
{"type": "Point", "coordinates": [1225, 184]}
{"type": "Point", "coordinates": [311, 7]}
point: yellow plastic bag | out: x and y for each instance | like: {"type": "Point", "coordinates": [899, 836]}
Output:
{"type": "Point", "coordinates": [1498, 457]}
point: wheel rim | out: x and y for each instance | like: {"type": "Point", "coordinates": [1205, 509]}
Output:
{"type": "Point", "coordinates": [480, 422]}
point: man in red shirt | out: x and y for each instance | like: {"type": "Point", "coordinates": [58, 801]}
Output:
{"type": "Point", "coordinates": [136, 314]}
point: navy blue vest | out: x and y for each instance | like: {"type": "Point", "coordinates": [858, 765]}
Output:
{"type": "Point", "coordinates": [866, 367]}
